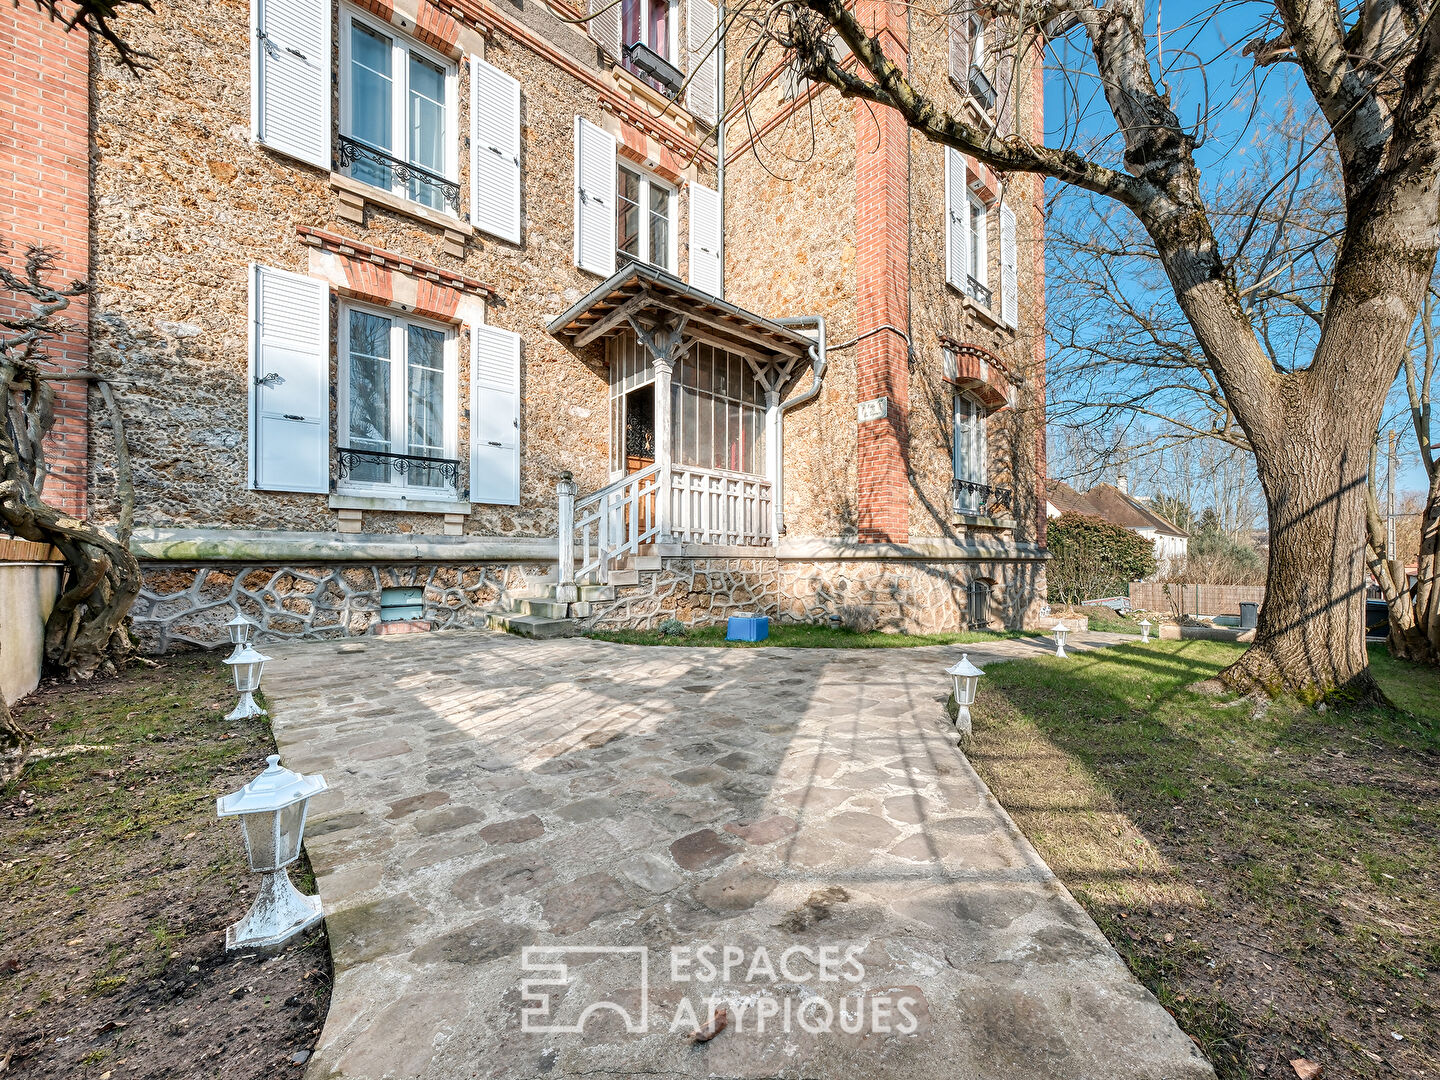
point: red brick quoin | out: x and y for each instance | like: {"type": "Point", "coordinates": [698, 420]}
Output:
{"type": "Point", "coordinates": [882, 212]}
{"type": "Point", "coordinates": [46, 200]}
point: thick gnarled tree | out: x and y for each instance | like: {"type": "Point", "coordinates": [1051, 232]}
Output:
{"type": "Point", "coordinates": [1373, 72]}
{"type": "Point", "coordinates": [86, 629]}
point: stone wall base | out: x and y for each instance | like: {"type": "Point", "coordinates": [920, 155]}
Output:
{"type": "Point", "coordinates": [183, 606]}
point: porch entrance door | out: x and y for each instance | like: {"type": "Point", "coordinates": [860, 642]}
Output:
{"type": "Point", "coordinates": [640, 445]}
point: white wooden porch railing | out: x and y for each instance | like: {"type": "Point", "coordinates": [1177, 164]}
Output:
{"type": "Point", "coordinates": [706, 507]}
{"type": "Point", "coordinates": [713, 507]}
{"type": "Point", "coordinates": [606, 525]}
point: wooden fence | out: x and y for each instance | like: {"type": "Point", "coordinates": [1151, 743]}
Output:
{"type": "Point", "coordinates": [1194, 599]}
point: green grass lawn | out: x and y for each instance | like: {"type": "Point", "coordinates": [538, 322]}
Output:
{"type": "Point", "coordinates": [117, 881]}
{"type": "Point", "coordinates": [803, 636]}
{"type": "Point", "coordinates": [1272, 873]}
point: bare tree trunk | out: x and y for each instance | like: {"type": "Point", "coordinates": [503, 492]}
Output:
{"type": "Point", "coordinates": [1311, 636]}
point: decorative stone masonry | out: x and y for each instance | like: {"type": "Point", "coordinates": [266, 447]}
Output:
{"type": "Point", "coordinates": [180, 606]}
{"type": "Point", "coordinates": [698, 592]}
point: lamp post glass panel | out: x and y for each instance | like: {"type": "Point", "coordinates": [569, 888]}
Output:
{"type": "Point", "coordinates": [272, 809]}
{"type": "Point", "coordinates": [1060, 631]}
{"type": "Point", "coordinates": [247, 665]}
{"type": "Point", "coordinates": [1144, 630]}
{"type": "Point", "coordinates": [967, 683]}
{"type": "Point", "coordinates": [241, 630]}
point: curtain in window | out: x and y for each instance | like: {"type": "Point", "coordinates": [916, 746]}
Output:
{"type": "Point", "coordinates": [970, 471]}
{"type": "Point", "coordinates": [426, 114]}
{"type": "Point", "coordinates": [369, 391]}
{"type": "Point", "coordinates": [425, 421]}
{"type": "Point", "coordinates": [717, 416]}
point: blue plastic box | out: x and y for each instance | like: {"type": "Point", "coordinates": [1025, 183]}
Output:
{"type": "Point", "coordinates": [747, 628]}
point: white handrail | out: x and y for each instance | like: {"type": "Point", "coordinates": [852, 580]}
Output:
{"type": "Point", "coordinates": [609, 524]}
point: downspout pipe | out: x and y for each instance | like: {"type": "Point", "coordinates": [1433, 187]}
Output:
{"type": "Point", "coordinates": [817, 376]}
{"type": "Point", "coordinates": [720, 138]}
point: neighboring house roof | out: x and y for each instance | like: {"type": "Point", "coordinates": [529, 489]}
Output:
{"type": "Point", "coordinates": [1110, 503]}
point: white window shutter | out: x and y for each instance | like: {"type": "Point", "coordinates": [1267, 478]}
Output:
{"type": "Point", "coordinates": [707, 252]}
{"type": "Point", "coordinates": [701, 21]}
{"type": "Point", "coordinates": [494, 416]}
{"type": "Point", "coordinates": [957, 220]}
{"type": "Point", "coordinates": [289, 381]}
{"type": "Point", "coordinates": [594, 198]}
{"type": "Point", "coordinates": [605, 26]}
{"type": "Point", "coordinates": [290, 78]}
{"type": "Point", "coordinates": [1009, 268]}
{"type": "Point", "coordinates": [960, 50]}
{"type": "Point", "coordinates": [494, 151]}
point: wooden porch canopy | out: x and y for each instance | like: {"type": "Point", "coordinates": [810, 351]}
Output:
{"type": "Point", "coordinates": [667, 315]}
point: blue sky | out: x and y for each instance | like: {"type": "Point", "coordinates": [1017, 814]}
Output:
{"type": "Point", "coordinates": [1202, 45]}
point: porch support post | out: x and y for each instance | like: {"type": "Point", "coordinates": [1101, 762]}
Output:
{"type": "Point", "coordinates": [565, 490]}
{"type": "Point", "coordinates": [774, 464]}
{"type": "Point", "coordinates": [664, 369]}
{"type": "Point", "coordinates": [666, 342]}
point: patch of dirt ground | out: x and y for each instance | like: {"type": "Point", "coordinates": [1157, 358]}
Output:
{"type": "Point", "coordinates": [117, 881]}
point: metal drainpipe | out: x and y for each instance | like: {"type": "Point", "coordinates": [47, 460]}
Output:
{"type": "Point", "coordinates": [720, 139]}
{"type": "Point", "coordinates": [817, 375]}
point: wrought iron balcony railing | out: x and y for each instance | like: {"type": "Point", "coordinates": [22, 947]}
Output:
{"type": "Point", "coordinates": [982, 499]}
{"type": "Point", "coordinates": [979, 293]}
{"type": "Point", "coordinates": [374, 466]}
{"type": "Point", "coordinates": [982, 90]}
{"type": "Point", "coordinates": [414, 177]}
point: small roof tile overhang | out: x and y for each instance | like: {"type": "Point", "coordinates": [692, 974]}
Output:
{"type": "Point", "coordinates": [981, 373]}
{"type": "Point", "coordinates": [645, 291]}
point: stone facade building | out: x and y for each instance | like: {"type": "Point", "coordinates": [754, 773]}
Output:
{"type": "Point", "coordinates": [466, 312]}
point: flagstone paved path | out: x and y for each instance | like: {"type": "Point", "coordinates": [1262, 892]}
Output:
{"type": "Point", "coordinates": [802, 811]}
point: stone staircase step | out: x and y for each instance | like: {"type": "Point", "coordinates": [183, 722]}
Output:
{"type": "Point", "coordinates": [546, 609]}
{"type": "Point", "coordinates": [624, 577]}
{"type": "Point", "coordinates": [597, 592]}
{"type": "Point", "coordinates": [532, 626]}
{"type": "Point", "coordinates": [644, 562]}
{"type": "Point", "coordinates": [581, 609]}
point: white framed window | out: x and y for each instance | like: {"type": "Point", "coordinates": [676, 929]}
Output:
{"type": "Point", "coordinates": [970, 451]}
{"type": "Point", "coordinates": [399, 389]}
{"type": "Point", "coordinates": [977, 255]}
{"type": "Point", "coordinates": [654, 23]}
{"type": "Point", "coordinates": [398, 114]}
{"type": "Point", "coordinates": [644, 218]}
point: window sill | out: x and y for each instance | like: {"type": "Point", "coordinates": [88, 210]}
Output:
{"type": "Point", "coordinates": [635, 88]}
{"type": "Point", "coordinates": [410, 504]}
{"type": "Point", "coordinates": [354, 195]}
{"type": "Point", "coordinates": [981, 521]}
{"type": "Point", "coordinates": [983, 313]}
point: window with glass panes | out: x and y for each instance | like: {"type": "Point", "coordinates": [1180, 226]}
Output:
{"type": "Point", "coordinates": [979, 259]}
{"type": "Point", "coordinates": [970, 453]}
{"type": "Point", "coordinates": [398, 388]}
{"type": "Point", "coordinates": [717, 413]}
{"type": "Point", "coordinates": [644, 225]}
{"type": "Point", "coordinates": [397, 98]}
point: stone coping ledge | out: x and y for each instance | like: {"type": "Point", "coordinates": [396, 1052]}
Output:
{"type": "Point", "coordinates": [927, 549]}
{"type": "Point", "coordinates": [405, 503]}
{"type": "Point", "coordinates": [710, 551]}
{"type": "Point", "coordinates": [299, 548]}
{"type": "Point", "coordinates": [14, 550]}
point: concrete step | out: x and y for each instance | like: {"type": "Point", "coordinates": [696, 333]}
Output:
{"type": "Point", "coordinates": [546, 609]}
{"type": "Point", "coordinates": [582, 609]}
{"type": "Point", "coordinates": [624, 577]}
{"type": "Point", "coordinates": [597, 592]}
{"type": "Point", "coordinates": [643, 562]}
{"type": "Point", "coordinates": [532, 626]}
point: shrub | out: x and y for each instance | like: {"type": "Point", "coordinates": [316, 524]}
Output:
{"type": "Point", "coordinates": [671, 628]}
{"type": "Point", "coordinates": [1091, 557]}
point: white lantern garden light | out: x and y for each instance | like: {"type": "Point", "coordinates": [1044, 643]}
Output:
{"type": "Point", "coordinates": [1144, 630]}
{"type": "Point", "coordinates": [271, 809]}
{"type": "Point", "coordinates": [967, 680]}
{"type": "Point", "coordinates": [241, 631]}
{"type": "Point", "coordinates": [247, 666]}
{"type": "Point", "coordinates": [1060, 631]}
